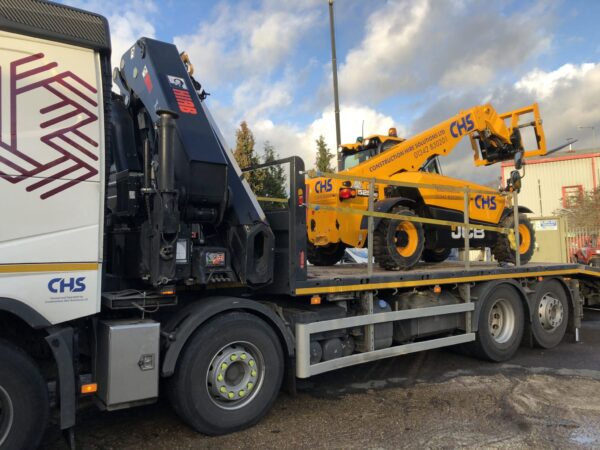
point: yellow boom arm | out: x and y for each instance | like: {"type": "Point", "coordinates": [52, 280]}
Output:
{"type": "Point", "coordinates": [492, 141]}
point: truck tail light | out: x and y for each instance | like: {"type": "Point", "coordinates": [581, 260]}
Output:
{"type": "Point", "coordinates": [346, 193]}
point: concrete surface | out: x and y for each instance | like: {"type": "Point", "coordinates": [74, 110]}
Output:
{"type": "Point", "coordinates": [438, 399]}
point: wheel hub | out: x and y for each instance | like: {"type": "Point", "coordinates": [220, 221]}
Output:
{"type": "Point", "coordinates": [401, 238]}
{"type": "Point", "coordinates": [501, 321]}
{"type": "Point", "coordinates": [6, 415]}
{"type": "Point", "coordinates": [235, 375]}
{"type": "Point", "coordinates": [550, 312]}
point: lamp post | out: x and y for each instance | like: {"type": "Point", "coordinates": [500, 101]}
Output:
{"type": "Point", "coordinates": [335, 79]}
{"type": "Point", "coordinates": [593, 128]}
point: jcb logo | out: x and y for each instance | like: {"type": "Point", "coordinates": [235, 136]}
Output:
{"type": "Point", "coordinates": [462, 126]}
{"type": "Point", "coordinates": [459, 233]}
{"type": "Point", "coordinates": [485, 202]}
{"type": "Point", "coordinates": [56, 285]}
{"type": "Point", "coordinates": [323, 186]}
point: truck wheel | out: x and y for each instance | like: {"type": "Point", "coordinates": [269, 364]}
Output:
{"type": "Point", "coordinates": [23, 400]}
{"type": "Point", "coordinates": [326, 255]}
{"type": "Point", "coordinates": [436, 255]}
{"type": "Point", "coordinates": [500, 325]}
{"type": "Point", "coordinates": [550, 314]}
{"type": "Point", "coordinates": [503, 251]}
{"type": "Point", "coordinates": [398, 244]}
{"type": "Point", "coordinates": [228, 375]}
{"type": "Point", "coordinates": [595, 261]}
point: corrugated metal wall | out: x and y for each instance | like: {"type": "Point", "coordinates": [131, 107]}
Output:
{"type": "Point", "coordinates": [546, 180]}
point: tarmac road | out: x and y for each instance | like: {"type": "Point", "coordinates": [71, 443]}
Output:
{"type": "Point", "coordinates": [437, 399]}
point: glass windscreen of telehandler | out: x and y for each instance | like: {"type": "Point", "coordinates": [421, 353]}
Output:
{"type": "Point", "coordinates": [370, 148]}
{"type": "Point", "coordinates": [432, 166]}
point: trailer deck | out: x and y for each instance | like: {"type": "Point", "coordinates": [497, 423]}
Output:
{"type": "Point", "coordinates": [354, 277]}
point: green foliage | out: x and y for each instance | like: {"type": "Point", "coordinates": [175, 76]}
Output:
{"type": "Point", "coordinates": [583, 211]}
{"type": "Point", "coordinates": [245, 156]}
{"type": "Point", "coordinates": [267, 182]}
{"type": "Point", "coordinates": [324, 156]}
{"type": "Point", "coordinates": [274, 181]}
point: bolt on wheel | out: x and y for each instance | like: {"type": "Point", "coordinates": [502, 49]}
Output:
{"type": "Point", "coordinates": [235, 375]}
{"type": "Point", "coordinates": [501, 321]}
{"type": "Point", "coordinates": [6, 415]}
{"type": "Point", "coordinates": [550, 312]}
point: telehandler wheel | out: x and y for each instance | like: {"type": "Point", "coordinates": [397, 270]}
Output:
{"type": "Point", "coordinates": [23, 400]}
{"type": "Point", "coordinates": [550, 314]}
{"type": "Point", "coordinates": [500, 325]}
{"type": "Point", "coordinates": [228, 375]}
{"type": "Point", "coordinates": [436, 255]}
{"type": "Point", "coordinates": [327, 255]}
{"type": "Point", "coordinates": [503, 251]}
{"type": "Point", "coordinates": [398, 244]}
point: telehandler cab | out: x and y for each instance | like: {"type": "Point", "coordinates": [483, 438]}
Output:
{"type": "Point", "coordinates": [400, 244]}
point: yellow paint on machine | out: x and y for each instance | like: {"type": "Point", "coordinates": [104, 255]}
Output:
{"type": "Point", "coordinates": [48, 267]}
{"type": "Point", "coordinates": [432, 281]}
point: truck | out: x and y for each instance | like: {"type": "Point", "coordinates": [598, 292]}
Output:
{"type": "Point", "coordinates": [135, 261]}
{"type": "Point", "coordinates": [423, 192]}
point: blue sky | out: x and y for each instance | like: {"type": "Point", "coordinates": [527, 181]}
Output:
{"type": "Point", "coordinates": [408, 64]}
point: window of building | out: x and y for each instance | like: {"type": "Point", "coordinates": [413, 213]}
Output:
{"type": "Point", "coordinates": [571, 195]}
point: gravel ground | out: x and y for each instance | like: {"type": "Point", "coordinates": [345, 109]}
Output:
{"type": "Point", "coordinates": [542, 399]}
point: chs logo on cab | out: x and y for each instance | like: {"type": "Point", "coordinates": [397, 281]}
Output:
{"type": "Point", "coordinates": [462, 126]}
{"type": "Point", "coordinates": [485, 202]}
{"type": "Point", "coordinates": [323, 186]}
{"type": "Point", "coordinates": [56, 285]}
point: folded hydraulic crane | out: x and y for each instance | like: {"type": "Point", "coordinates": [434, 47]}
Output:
{"type": "Point", "coordinates": [178, 210]}
{"type": "Point", "coordinates": [402, 243]}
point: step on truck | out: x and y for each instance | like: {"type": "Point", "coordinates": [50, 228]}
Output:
{"type": "Point", "coordinates": [134, 256]}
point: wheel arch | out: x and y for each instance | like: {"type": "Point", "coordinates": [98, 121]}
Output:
{"type": "Point", "coordinates": [481, 291]}
{"type": "Point", "coordinates": [183, 325]}
{"type": "Point", "coordinates": [385, 206]}
{"type": "Point", "coordinates": [24, 312]}
{"type": "Point", "coordinates": [60, 344]}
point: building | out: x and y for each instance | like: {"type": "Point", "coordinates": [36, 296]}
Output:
{"type": "Point", "coordinates": [549, 182]}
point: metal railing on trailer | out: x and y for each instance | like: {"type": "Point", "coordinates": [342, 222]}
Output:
{"type": "Point", "coordinates": [369, 318]}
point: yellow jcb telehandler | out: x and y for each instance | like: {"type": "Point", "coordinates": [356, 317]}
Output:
{"type": "Point", "coordinates": [400, 244]}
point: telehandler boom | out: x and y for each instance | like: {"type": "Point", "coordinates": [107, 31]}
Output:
{"type": "Point", "coordinates": [401, 244]}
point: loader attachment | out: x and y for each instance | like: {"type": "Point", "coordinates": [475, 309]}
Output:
{"type": "Point", "coordinates": [484, 146]}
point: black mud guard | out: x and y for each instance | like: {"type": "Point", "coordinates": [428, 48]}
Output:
{"type": "Point", "coordinates": [384, 206]}
{"type": "Point", "coordinates": [24, 312]}
{"type": "Point", "coordinates": [509, 211]}
{"type": "Point", "coordinates": [183, 324]}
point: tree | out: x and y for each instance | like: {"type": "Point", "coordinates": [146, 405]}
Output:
{"type": "Point", "coordinates": [274, 182]}
{"type": "Point", "coordinates": [583, 211]}
{"type": "Point", "coordinates": [324, 156]}
{"type": "Point", "coordinates": [245, 156]}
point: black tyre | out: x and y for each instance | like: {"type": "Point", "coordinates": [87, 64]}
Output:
{"type": "Point", "coordinates": [23, 400]}
{"type": "Point", "coordinates": [436, 255]}
{"type": "Point", "coordinates": [228, 375]}
{"type": "Point", "coordinates": [398, 244]}
{"type": "Point", "coordinates": [327, 255]}
{"type": "Point", "coordinates": [500, 325]}
{"type": "Point", "coordinates": [595, 261]}
{"type": "Point", "coordinates": [503, 251]}
{"type": "Point", "coordinates": [550, 314]}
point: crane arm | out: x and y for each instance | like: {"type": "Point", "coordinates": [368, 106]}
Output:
{"type": "Point", "coordinates": [492, 141]}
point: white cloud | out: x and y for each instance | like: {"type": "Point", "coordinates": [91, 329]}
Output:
{"type": "Point", "coordinates": [293, 140]}
{"type": "Point", "coordinates": [128, 21]}
{"type": "Point", "coordinates": [239, 42]}
{"type": "Point", "coordinates": [412, 46]}
{"type": "Point", "coordinates": [543, 84]}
